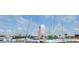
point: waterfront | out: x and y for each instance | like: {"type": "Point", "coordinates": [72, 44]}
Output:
{"type": "Point", "coordinates": [24, 40]}
{"type": "Point", "coordinates": [39, 29]}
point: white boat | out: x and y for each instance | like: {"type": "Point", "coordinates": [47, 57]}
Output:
{"type": "Point", "coordinates": [27, 40]}
{"type": "Point", "coordinates": [54, 41]}
{"type": "Point", "coordinates": [7, 38]}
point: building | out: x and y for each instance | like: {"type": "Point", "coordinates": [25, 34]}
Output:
{"type": "Point", "coordinates": [76, 36]}
{"type": "Point", "coordinates": [41, 32]}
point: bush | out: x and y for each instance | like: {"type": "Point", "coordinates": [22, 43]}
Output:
{"type": "Point", "coordinates": [50, 37]}
{"type": "Point", "coordinates": [55, 37]}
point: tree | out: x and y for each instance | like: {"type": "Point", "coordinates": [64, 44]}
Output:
{"type": "Point", "coordinates": [66, 35]}
{"type": "Point", "coordinates": [55, 37]}
{"type": "Point", "coordinates": [59, 36]}
{"type": "Point", "coordinates": [50, 37]}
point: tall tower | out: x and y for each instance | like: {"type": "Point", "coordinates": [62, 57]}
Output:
{"type": "Point", "coordinates": [41, 31]}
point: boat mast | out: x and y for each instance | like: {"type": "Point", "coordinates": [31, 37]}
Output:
{"type": "Point", "coordinates": [28, 27]}
{"type": "Point", "coordinates": [53, 24]}
{"type": "Point", "coordinates": [62, 29]}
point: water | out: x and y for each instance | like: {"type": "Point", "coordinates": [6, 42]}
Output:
{"type": "Point", "coordinates": [43, 41]}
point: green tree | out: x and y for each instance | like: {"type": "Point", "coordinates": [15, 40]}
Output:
{"type": "Point", "coordinates": [50, 37]}
{"type": "Point", "coordinates": [66, 35]}
{"type": "Point", "coordinates": [55, 37]}
{"type": "Point", "coordinates": [59, 36]}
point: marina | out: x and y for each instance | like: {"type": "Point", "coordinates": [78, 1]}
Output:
{"type": "Point", "coordinates": [39, 29]}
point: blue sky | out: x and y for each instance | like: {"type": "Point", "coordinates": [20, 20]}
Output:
{"type": "Point", "coordinates": [16, 24]}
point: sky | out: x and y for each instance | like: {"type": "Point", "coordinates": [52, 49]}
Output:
{"type": "Point", "coordinates": [28, 24]}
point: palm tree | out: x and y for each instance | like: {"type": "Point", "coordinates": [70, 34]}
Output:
{"type": "Point", "coordinates": [59, 36]}
{"type": "Point", "coordinates": [66, 35]}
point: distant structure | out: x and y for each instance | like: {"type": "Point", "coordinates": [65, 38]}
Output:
{"type": "Point", "coordinates": [41, 32]}
{"type": "Point", "coordinates": [76, 36]}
